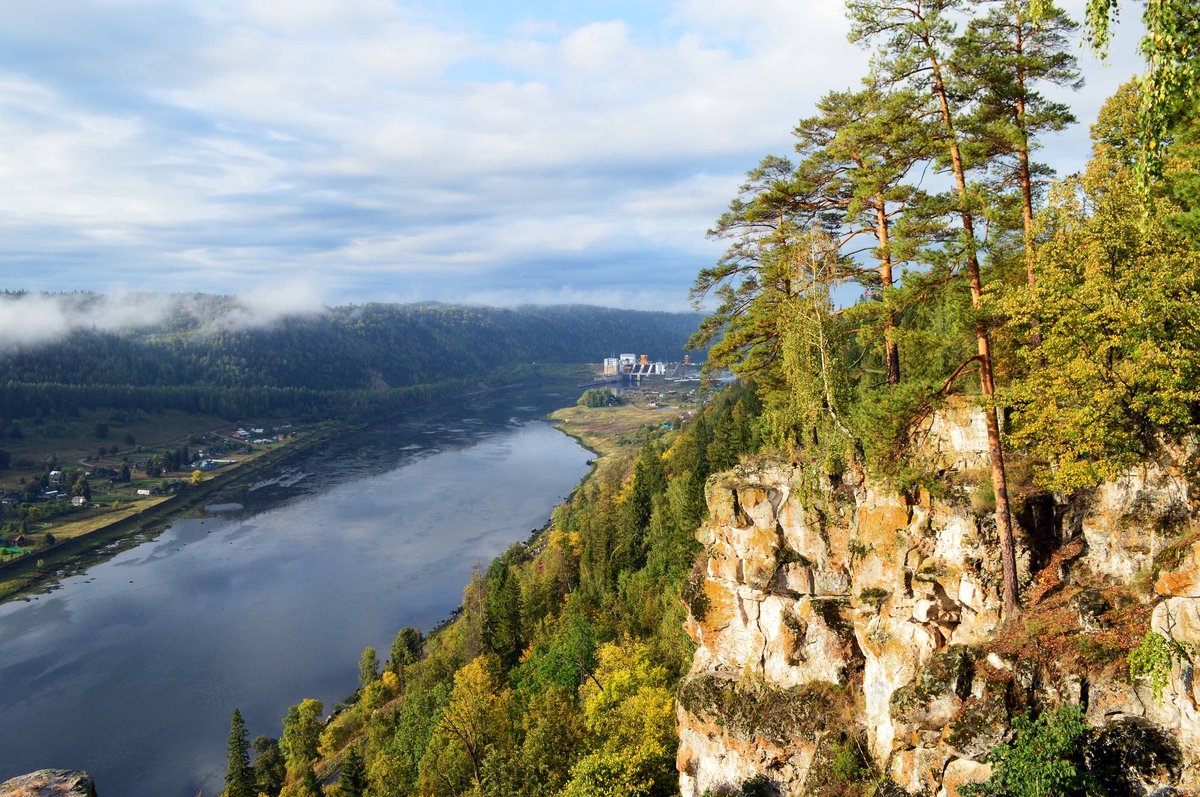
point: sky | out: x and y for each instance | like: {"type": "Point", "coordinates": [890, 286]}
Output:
{"type": "Point", "coordinates": [311, 152]}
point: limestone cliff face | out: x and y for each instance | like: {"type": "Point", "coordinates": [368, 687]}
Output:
{"type": "Point", "coordinates": [834, 614]}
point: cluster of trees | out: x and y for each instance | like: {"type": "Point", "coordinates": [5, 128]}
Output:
{"type": "Point", "coordinates": [173, 460]}
{"type": "Point", "coordinates": [341, 360]}
{"type": "Point", "coordinates": [598, 397]}
{"type": "Point", "coordinates": [860, 291]}
{"type": "Point", "coordinates": [558, 677]}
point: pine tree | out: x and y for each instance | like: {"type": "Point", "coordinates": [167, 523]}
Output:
{"type": "Point", "coordinates": [866, 142]}
{"type": "Point", "coordinates": [309, 785]}
{"type": "Point", "coordinates": [919, 40]}
{"type": "Point", "coordinates": [352, 782]}
{"type": "Point", "coordinates": [1007, 53]}
{"type": "Point", "coordinates": [239, 777]}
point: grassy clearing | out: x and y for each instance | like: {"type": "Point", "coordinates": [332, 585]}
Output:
{"type": "Point", "coordinates": [609, 430]}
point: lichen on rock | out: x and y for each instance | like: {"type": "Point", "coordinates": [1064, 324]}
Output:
{"type": "Point", "coordinates": [838, 608]}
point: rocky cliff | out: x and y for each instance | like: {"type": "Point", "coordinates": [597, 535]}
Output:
{"type": "Point", "coordinates": [50, 783]}
{"type": "Point", "coordinates": [844, 628]}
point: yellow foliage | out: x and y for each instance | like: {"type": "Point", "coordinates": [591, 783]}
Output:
{"type": "Point", "coordinates": [629, 712]}
{"type": "Point", "coordinates": [391, 681]}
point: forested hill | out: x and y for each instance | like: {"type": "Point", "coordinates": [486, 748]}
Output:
{"type": "Point", "coordinates": [334, 359]}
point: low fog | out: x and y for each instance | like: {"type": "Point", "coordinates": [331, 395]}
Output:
{"type": "Point", "coordinates": [30, 319]}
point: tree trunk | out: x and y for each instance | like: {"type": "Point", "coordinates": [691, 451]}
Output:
{"type": "Point", "coordinates": [1008, 559]}
{"type": "Point", "coordinates": [890, 347]}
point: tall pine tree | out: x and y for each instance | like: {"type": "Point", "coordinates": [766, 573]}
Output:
{"type": "Point", "coordinates": [239, 777]}
{"type": "Point", "coordinates": [918, 39]}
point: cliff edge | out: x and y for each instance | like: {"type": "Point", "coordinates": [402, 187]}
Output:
{"type": "Point", "coordinates": [846, 630]}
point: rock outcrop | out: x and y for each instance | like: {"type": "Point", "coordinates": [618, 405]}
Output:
{"type": "Point", "coordinates": [50, 783]}
{"type": "Point", "coordinates": [838, 620]}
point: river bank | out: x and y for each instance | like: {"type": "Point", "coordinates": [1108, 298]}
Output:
{"type": "Point", "coordinates": [34, 573]}
{"type": "Point", "coordinates": [74, 551]}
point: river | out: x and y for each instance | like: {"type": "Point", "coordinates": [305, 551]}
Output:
{"type": "Point", "coordinates": [132, 669]}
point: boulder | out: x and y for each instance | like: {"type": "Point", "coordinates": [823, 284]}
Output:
{"type": "Point", "coordinates": [50, 783]}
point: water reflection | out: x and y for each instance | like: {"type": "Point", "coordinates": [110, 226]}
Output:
{"type": "Point", "coordinates": [132, 670]}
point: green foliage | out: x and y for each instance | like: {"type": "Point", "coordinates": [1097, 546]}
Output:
{"type": "Point", "coordinates": [1043, 758]}
{"type": "Point", "coordinates": [473, 727]}
{"type": "Point", "coordinates": [1119, 362]}
{"type": "Point", "coordinates": [629, 713]}
{"type": "Point", "coordinates": [406, 649]}
{"type": "Point", "coordinates": [1169, 88]}
{"type": "Point", "coordinates": [598, 397]}
{"type": "Point", "coordinates": [502, 634]}
{"type": "Point", "coordinates": [1155, 657]}
{"type": "Point", "coordinates": [309, 785]}
{"type": "Point", "coordinates": [301, 735]}
{"type": "Point", "coordinates": [368, 667]}
{"type": "Point", "coordinates": [269, 767]}
{"type": "Point", "coordinates": [239, 777]}
{"type": "Point", "coordinates": [874, 596]}
{"type": "Point", "coordinates": [352, 781]}
{"type": "Point", "coordinates": [347, 360]}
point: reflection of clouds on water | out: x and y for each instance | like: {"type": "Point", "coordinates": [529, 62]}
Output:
{"type": "Point", "coordinates": [273, 602]}
{"type": "Point", "coordinates": [42, 616]}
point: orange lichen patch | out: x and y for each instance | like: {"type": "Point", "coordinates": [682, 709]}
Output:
{"type": "Point", "coordinates": [883, 519]}
{"type": "Point", "coordinates": [1177, 567]}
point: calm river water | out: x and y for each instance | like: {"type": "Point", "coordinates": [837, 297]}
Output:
{"type": "Point", "coordinates": [132, 669]}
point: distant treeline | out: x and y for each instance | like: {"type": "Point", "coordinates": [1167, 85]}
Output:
{"type": "Point", "coordinates": [346, 359]}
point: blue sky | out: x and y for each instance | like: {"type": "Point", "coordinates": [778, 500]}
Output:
{"type": "Point", "coordinates": [342, 151]}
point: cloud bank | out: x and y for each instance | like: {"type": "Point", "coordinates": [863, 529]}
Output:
{"type": "Point", "coordinates": [381, 150]}
{"type": "Point", "coordinates": [31, 319]}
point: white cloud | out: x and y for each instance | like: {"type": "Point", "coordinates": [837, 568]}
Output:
{"type": "Point", "coordinates": [255, 142]}
{"type": "Point", "coordinates": [36, 318]}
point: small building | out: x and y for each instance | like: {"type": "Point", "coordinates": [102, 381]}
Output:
{"type": "Point", "coordinates": [612, 366]}
{"type": "Point", "coordinates": [56, 477]}
{"type": "Point", "coordinates": [78, 500]}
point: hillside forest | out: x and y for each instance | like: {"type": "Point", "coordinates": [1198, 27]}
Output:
{"type": "Point", "coordinates": [351, 360]}
{"type": "Point", "coordinates": [909, 250]}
